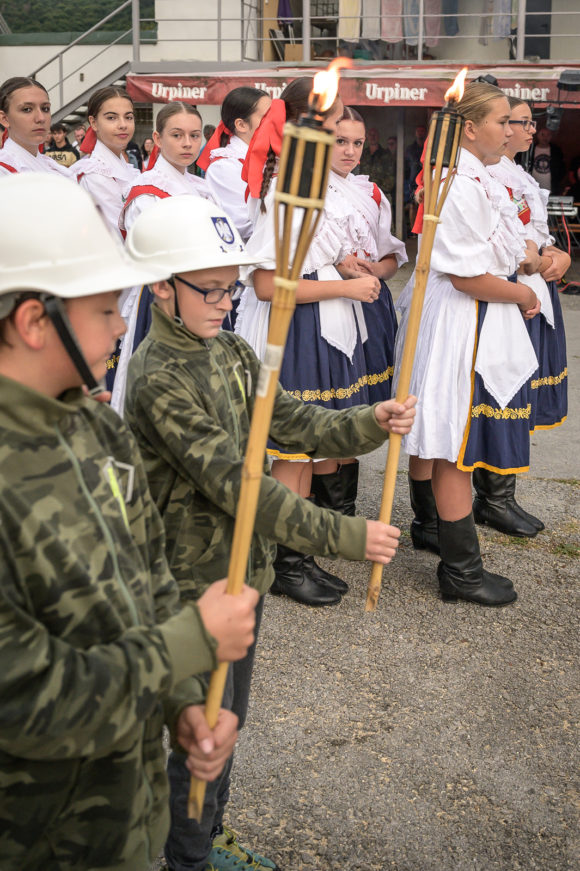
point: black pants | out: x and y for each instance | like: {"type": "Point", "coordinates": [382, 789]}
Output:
{"type": "Point", "coordinates": [188, 844]}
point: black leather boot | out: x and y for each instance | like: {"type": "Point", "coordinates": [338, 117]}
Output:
{"type": "Point", "coordinates": [327, 491]}
{"type": "Point", "coordinates": [511, 487]}
{"type": "Point", "coordinates": [322, 576]}
{"type": "Point", "coordinates": [294, 580]}
{"type": "Point", "coordinates": [338, 490]}
{"type": "Point", "coordinates": [495, 504]}
{"type": "Point", "coordinates": [424, 534]}
{"type": "Point", "coordinates": [349, 477]}
{"type": "Point", "coordinates": [461, 573]}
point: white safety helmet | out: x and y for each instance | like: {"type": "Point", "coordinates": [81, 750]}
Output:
{"type": "Point", "coordinates": [54, 240]}
{"type": "Point", "coordinates": [186, 233]}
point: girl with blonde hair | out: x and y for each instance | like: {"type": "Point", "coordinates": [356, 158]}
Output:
{"type": "Point", "coordinates": [474, 355]}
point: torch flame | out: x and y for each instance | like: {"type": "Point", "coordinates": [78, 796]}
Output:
{"type": "Point", "coordinates": [325, 87]}
{"type": "Point", "coordinates": [455, 92]}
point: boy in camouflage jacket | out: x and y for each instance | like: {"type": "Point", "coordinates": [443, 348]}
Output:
{"type": "Point", "coordinates": [190, 395]}
{"type": "Point", "coordinates": [95, 653]}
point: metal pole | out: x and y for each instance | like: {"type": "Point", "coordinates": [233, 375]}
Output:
{"type": "Point", "coordinates": [219, 30]}
{"type": "Point", "coordinates": [306, 50]}
{"type": "Point", "coordinates": [521, 31]}
{"type": "Point", "coordinates": [420, 30]}
{"type": "Point", "coordinates": [136, 26]}
{"type": "Point", "coordinates": [60, 81]}
{"type": "Point", "coordinates": [400, 171]}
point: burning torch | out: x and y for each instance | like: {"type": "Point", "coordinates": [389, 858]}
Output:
{"type": "Point", "coordinates": [443, 146]}
{"type": "Point", "coordinates": [304, 165]}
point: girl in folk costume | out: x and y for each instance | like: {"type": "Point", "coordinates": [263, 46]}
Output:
{"type": "Point", "coordinates": [324, 360]}
{"type": "Point", "coordinates": [372, 251]}
{"type": "Point", "coordinates": [25, 116]}
{"type": "Point", "coordinates": [223, 156]}
{"type": "Point", "coordinates": [474, 356]}
{"type": "Point", "coordinates": [495, 500]}
{"type": "Point", "coordinates": [177, 138]}
{"type": "Point", "coordinates": [106, 173]}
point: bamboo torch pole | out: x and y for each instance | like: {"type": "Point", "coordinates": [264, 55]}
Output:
{"type": "Point", "coordinates": [443, 145]}
{"type": "Point", "coordinates": [304, 166]}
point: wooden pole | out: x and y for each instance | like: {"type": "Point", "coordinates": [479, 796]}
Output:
{"type": "Point", "coordinates": [302, 179]}
{"type": "Point", "coordinates": [434, 196]}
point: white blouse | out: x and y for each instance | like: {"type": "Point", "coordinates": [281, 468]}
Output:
{"type": "Point", "coordinates": [527, 192]}
{"type": "Point", "coordinates": [478, 234]}
{"type": "Point", "coordinates": [105, 176]}
{"type": "Point", "coordinates": [339, 317]}
{"type": "Point", "coordinates": [168, 179]}
{"type": "Point", "coordinates": [224, 180]}
{"type": "Point", "coordinates": [23, 161]}
{"type": "Point", "coordinates": [369, 229]}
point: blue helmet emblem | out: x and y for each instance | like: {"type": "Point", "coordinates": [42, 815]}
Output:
{"type": "Point", "coordinates": [224, 230]}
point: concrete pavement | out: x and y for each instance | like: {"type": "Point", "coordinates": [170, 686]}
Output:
{"type": "Point", "coordinates": [427, 736]}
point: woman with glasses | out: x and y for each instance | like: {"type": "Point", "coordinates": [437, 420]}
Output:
{"type": "Point", "coordinates": [495, 501]}
{"type": "Point", "coordinates": [178, 140]}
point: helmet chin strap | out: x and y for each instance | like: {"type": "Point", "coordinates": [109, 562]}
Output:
{"type": "Point", "coordinates": [177, 315]}
{"type": "Point", "coordinates": [57, 313]}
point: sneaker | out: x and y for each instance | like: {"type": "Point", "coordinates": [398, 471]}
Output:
{"type": "Point", "coordinates": [227, 853]}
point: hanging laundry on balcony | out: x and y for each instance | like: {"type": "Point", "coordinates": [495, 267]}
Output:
{"type": "Point", "coordinates": [450, 9]}
{"type": "Point", "coordinates": [392, 20]}
{"type": "Point", "coordinates": [496, 21]}
{"type": "Point", "coordinates": [431, 22]}
{"type": "Point", "coordinates": [349, 19]}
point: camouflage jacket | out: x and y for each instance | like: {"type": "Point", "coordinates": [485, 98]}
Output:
{"type": "Point", "coordinates": [92, 644]}
{"type": "Point", "coordinates": [189, 403]}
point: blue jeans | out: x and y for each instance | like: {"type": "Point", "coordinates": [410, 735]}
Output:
{"type": "Point", "coordinates": [188, 844]}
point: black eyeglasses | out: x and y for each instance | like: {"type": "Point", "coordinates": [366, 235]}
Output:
{"type": "Point", "coordinates": [214, 295]}
{"type": "Point", "coordinates": [527, 125]}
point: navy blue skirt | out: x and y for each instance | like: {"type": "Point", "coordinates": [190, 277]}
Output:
{"type": "Point", "coordinates": [550, 381]}
{"type": "Point", "coordinates": [143, 324]}
{"type": "Point", "coordinates": [496, 438]}
{"type": "Point", "coordinates": [379, 348]}
{"type": "Point", "coordinates": [316, 372]}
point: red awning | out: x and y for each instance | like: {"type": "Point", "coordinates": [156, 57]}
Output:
{"type": "Point", "coordinates": [369, 86]}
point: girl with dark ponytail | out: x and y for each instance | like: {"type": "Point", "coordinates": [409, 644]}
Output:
{"type": "Point", "coordinates": [177, 137]}
{"type": "Point", "coordinates": [324, 361]}
{"type": "Point", "coordinates": [106, 173]}
{"type": "Point", "coordinates": [25, 117]}
{"type": "Point", "coordinates": [224, 154]}
{"type": "Point", "coordinates": [370, 249]}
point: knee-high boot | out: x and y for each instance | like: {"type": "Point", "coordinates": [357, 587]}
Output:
{"type": "Point", "coordinates": [294, 579]}
{"type": "Point", "coordinates": [424, 534]}
{"type": "Point", "coordinates": [495, 505]}
{"type": "Point", "coordinates": [337, 490]}
{"type": "Point", "coordinates": [461, 573]}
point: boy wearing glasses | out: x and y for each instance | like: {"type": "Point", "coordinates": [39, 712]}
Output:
{"type": "Point", "coordinates": [190, 394]}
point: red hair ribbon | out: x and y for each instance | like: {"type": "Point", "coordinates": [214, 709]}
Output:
{"type": "Point", "coordinates": [152, 158]}
{"type": "Point", "coordinates": [213, 142]}
{"type": "Point", "coordinates": [268, 135]}
{"type": "Point", "coordinates": [420, 182]}
{"type": "Point", "coordinates": [4, 137]}
{"type": "Point", "coordinates": [89, 142]}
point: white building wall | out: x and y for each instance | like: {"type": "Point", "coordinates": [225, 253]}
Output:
{"type": "Point", "coordinates": [188, 30]}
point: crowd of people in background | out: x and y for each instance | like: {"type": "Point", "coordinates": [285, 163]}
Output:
{"type": "Point", "coordinates": [379, 162]}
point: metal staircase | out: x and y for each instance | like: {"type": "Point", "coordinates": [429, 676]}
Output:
{"type": "Point", "coordinates": [65, 105]}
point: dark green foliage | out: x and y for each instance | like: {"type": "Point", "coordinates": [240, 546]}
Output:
{"type": "Point", "coordinates": [55, 16]}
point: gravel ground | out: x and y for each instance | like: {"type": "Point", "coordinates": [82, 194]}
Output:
{"type": "Point", "coordinates": [427, 736]}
